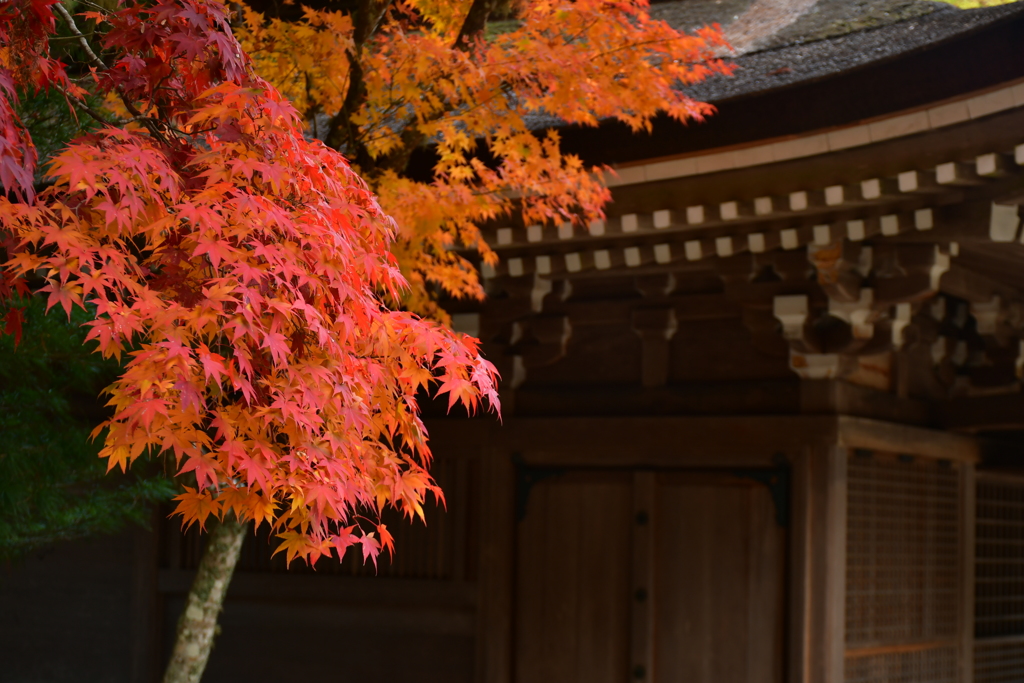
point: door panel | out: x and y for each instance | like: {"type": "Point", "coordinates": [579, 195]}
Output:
{"type": "Point", "coordinates": [717, 599]}
{"type": "Point", "coordinates": [719, 576]}
{"type": "Point", "coordinates": [573, 581]}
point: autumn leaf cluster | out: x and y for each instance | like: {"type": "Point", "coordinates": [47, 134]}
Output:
{"type": "Point", "coordinates": [384, 80]}
{"type": "Point", "coordinates": [239, 270]}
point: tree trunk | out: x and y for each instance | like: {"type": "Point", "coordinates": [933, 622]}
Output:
{"type": "Point", "coordinates": [198, 624]}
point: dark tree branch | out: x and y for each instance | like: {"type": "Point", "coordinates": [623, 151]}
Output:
{"type": "Point", "coordinates": [341, 133]}
{"type": "Point", "coordinates": [152, 125]}
{"type": "Point", "coordinates": [367, 20]}
{"type": "Point", "coordinates": [476, 21]}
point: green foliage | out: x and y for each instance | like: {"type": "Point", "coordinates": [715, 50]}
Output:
{"type": "Point", "coordinates": [51, 122]}
{"type": "Point", "coordinates": [52, 484]}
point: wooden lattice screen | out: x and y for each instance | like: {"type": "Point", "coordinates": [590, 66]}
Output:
{"type": "Point", "coordinates": [442, 549]}
{"type": "Point", "coordinates": [903, 572]}
{"type": "Point", "coordinates": [999, 581]}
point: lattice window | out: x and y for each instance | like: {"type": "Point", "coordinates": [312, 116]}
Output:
{"type": "Point", "coordinates": [999, 580]}
{"type": "Point", "coordinates": [998, 661]}
{"type": "Point", "coordinates": [902, 569]}
{"type": "Point", "coordinates": [935, 665]}
{"type": "Point", "coordinates": [442, 549]}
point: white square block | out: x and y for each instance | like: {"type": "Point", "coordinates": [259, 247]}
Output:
{"type": "Point", "coordinates": [534, 233]}
{"type": "Point", "coordinates": [602, 259]}
{"type": "Point", "coordinates": [694, 215]}
{"type": "Point", "coordinates": [515, 267]}
{"type": "Point", "coordinates": [1003, 223]}
{"type": "Point", "coordinates": [693, 250]}
{"type": "Point", "coordinates": [890, 224]}
{"type": "Point", "coordinates": [543, 265]}
{"type": "Point", "coordinates": [565, 231]}
{"type": "Point", "coordinates": [989, 165]}
{"type": "Point", "coordinates": [504, 236]}
{"type": "Point", "coordinates": [662, 219]}
{"type": "Point", "coordinates": [729, 211]}
{"type": "Point", "coordinates": [596, 228]}
{"type": "Point", "coordinates": [923, 219]}
{"type": "Point", "coordinates": [629, 223]}
{"type": "Point", "coordinates": [945, 173]}
{"type": "Point", "coordinates": [632, 256]}
{"type": "Point", "coordinates": [755, 241]}
{"type": "Point", "coordinates": [855, 230]}
{"type": "Point", "coordinates": [822, 234]}
{"type": "Point", "coordinates": [723, 245]}
{"type": "Point", "coordinates": [908, 181]}
{"type": "Point", "coordinates": [573, 262]}
{"type": "Point", "coordinates": [797, 201]}
{"type": "Point", "coordinates": [790, 238]}
{"type": "Point", "coordinates": [763, 205]}
{"type": "Point", "coordinates": [662, 253]}
{"type": "Point", "coordinates": [871, 188]}
{"type": "Point", "coordinates": [834, 195]}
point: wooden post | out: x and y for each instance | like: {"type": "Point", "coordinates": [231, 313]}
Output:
{"type": "Point", "coordinates": [968, 511]}
{"type": "Point", "coordinates": [798, 667]}
{"type": "Point", "coordinates": [642, 632]}
{"type": "Point", "coordinates": [497, 559]}
{"type": "Point", "coordinates": [825, 637]}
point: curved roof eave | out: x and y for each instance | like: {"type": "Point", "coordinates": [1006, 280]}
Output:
{"type": "Point", "coordinates": [836, 81]}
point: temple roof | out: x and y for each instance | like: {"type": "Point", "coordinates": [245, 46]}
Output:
{"type": "Point", "coordinates": [829, 37]}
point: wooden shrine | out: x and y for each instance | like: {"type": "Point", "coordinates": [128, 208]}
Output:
{"type": "Point", "coordinates": [763, 424]}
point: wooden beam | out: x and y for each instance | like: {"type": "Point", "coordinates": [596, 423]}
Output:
{"type": "Point", "coordinates": [673, 441]}
{"type": "Point", "coordinates": [662, 441]}
{"type": "Point", "coordinates": [842, 398]}
{"type": "Point", "coordinates": [899, 648]}
{"type": "Point", "coordinates": [855, 432]}
{"type": "Point", "coordinates": [354, 592]}
{"type": "Point", "coordinates": [981, 413]}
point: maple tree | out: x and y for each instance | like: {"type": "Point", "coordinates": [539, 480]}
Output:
{"type": "Point", "coordinates": [246, 275]}
{"type": "Point", "coordinates": [241, 270]}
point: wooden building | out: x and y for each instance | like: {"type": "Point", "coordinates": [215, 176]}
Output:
{"type": "Point", "coordinates": [763, 424]}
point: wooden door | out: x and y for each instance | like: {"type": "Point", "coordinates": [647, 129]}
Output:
{"type": "Point", "coordinates": [672, 577]}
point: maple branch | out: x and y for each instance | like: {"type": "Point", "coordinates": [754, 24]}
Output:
{"type": "Point", "coordinates": [367, 19]}
{"type": "Point", "coordinates": [150, 123]}
{"type": "Point", "coordinates": [340, 131]}
{"type": "Point", "coordinates": [89, 110]}
{"type": "Point", "coordinates": [73, 27]}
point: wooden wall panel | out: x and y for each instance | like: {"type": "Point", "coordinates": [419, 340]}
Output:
{"type": "Point", "coordinates": [573, 581]}
{"type": "Point", "coordinates": [66, 613]}
{"type": "Point", "coordinates": [719, 566]}
{"type": "Point", "coordinates": [263, 641]}
{"type": "Point", "coordinates": [650, 576]}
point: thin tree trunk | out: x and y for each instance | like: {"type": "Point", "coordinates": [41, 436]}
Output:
{"type": "Point", "coordinates": [198, 624]}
